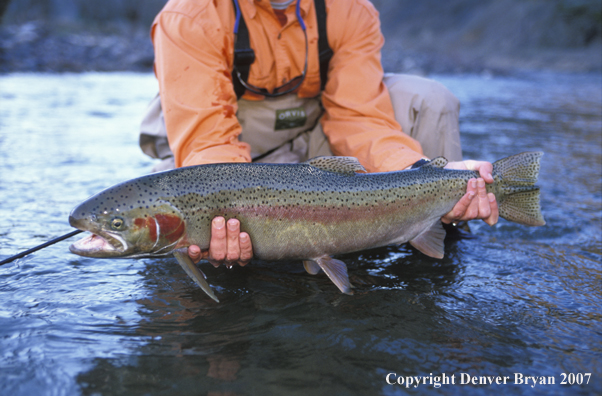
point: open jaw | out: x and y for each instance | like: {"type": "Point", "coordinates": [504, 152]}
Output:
{"type": "Point", "coordinates": [95, 245]}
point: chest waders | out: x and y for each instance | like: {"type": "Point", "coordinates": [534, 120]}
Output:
{"type": "Point", "coordinates": [278, 129]}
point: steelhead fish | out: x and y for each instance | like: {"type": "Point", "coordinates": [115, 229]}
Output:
{"type": "Point", "coordinates": [308, 211]}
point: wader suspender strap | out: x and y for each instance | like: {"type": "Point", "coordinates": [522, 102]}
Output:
{"type": "Point", "coordinates": [244, 56]}
{"type": "Point", "coordinates": [324, 50]}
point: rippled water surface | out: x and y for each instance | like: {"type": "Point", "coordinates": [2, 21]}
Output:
{"type": "Point", "coordinates": [514, 300]}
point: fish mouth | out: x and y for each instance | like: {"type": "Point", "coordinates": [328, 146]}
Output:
{"type": "Point", "coordinates": [99, 244]}
{"type": "Point", "coordinates": [95, 245]}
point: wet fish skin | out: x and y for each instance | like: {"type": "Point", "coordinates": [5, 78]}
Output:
{"type": "Point", "coordinates": [308, 211]}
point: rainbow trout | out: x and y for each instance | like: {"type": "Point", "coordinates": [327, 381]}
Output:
{"type": "Point", "coordinates": [308, 211]}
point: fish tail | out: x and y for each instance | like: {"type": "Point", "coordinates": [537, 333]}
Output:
{"type": "Point", "coordinates": [519, 198]}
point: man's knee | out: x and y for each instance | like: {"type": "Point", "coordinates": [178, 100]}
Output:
{"type": "Point", "coordinates": [427, 111]}
{"type": "Point", "coordinates": [420, 94]}
{"type": "Point", "coordinates": [441, 99]}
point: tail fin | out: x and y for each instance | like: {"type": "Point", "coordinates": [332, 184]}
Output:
{"type": "Point", "coordinates": [518, 199]}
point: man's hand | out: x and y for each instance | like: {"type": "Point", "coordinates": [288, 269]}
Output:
{"type": "Point", "coordinates": [476, 203]}
{"type": "Point", "coordinates": [227, 246]}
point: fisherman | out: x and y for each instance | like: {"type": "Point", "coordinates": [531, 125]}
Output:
{"type": "Point", "coordinates": [315, 86]}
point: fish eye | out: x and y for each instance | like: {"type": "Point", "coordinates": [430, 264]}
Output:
{"type": "Point", "coordinates": [117, 223]}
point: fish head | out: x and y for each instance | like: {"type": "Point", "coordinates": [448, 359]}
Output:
{"type": "Point", "coordinates": [126, 223]}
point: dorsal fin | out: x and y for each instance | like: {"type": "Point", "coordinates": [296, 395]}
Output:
{"type": "Point", "coordinates": [343, 165]}
{"type": "Point", "coordinates": [438, 162]}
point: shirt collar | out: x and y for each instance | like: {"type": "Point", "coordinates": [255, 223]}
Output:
{"type": "Point", "coordinates": [253, 4]}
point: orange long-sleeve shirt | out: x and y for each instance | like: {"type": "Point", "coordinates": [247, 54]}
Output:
{"type": "Point", "coordinates": [194, 54]}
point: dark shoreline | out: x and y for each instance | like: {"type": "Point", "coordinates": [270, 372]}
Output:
{"type": "Point", "coordinates": [39, 47]}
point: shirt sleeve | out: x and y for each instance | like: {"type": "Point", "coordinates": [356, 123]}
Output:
{"type": "Point", "coordinates": [359, 120]}
{"type": "Point", "coordinates": [192, 65]}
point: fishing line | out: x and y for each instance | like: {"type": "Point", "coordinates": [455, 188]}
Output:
{"type": "Point", "coordinates": [42, 246]}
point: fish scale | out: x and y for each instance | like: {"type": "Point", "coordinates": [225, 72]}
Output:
{"type": "Point", "coordinates": [309, 211]}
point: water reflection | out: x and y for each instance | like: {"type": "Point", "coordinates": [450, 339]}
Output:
{"type": "Point", "coordinates": [270, 323]}
{"type": "Point", "coordinates": [515, 299]}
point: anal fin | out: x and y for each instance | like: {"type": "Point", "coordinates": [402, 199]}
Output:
{"type": "Point", "coordinates": [430, 241]}
{"type": "Point", "coordinates": [336, 271]}
{"type": "Point", "coordinates": [192, 270]}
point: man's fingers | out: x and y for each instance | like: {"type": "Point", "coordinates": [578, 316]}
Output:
{"type": "Point", "coordinates": [495, 213]}
{"type": "Point", "coordinates": [468, 208]}
{"type": "Point", "coordinates": [484, 208]}
{"type": "Point", "coordinates": [485, 170]}
{"type": "Point", "coordinates": [246, 249]}
{"type": "Point", "coordinates": [228, 245]}
{"type": "Point", "coordinates": [462, 207]}
{"type": "Point", "coordinates": [233, 245]}
{"type": "Point", "coordinates": [218, 244]}
{"type": "Point", "coordinates": [194, 252]}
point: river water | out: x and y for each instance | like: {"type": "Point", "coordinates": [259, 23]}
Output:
{"type": "Point", "coordinates": [514, 301]}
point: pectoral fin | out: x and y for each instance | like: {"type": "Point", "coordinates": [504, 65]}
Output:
{"type": "Point", "coordinates": [192, 270]}
{"type": "Point", "coordinates": [430, 242]}
{"type": "Point", "coordinates": [311, 267]}
{"type": "Point", "coordinates": [336, 271]}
